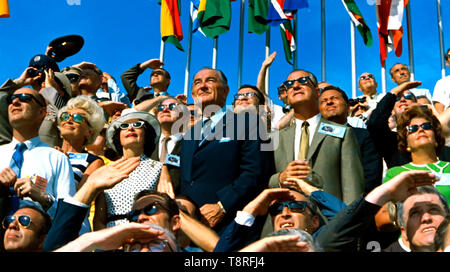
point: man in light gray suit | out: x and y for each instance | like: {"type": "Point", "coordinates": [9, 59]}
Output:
{"type": "Point", "coordinates": [324, 153]}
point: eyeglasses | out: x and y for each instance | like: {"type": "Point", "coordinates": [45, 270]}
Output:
{"type": "Point", "coordinates": [72, 77]}
{"type": "Point", "coordinates": [23, 97]}
{"type": "Point", "coordinates": [414, 128]}
{"type": "Point", "coordinates": [242, 95]}
{"type": "Point", "coordinates": [366, 76]}
{"type": "Point", "coordinates": [352, 102]}
{"type": "Point", "coordinates": [24, 221]}
{"type": "Point", "coordinates": [155, 73]}
{"type": "Point", "coordinates": [76, 117]}
{"type": "Point", "coordinates": [408, 96]}
{"type": "Point", "coordinates": [137, 124]}
{"type": "Point", "coordinates": [293, 206]}
{"type": "Point", "coordinates": [171, 106]}
{"type": "Point", "coordinates": [150, 209]}
{"type": "Point", "coordinates": [301, 80]}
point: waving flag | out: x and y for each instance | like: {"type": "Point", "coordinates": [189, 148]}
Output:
{"type": "Point", "coordinates": [390, 30]}
{"type": "Point", "coordinates": [288, 40]}
{"type": "Point", "coordinates": [257, 16]}
{"type": "Point", "coordinates": [214, 17]}
{"type": "Point", "coordinates": [358, 20]}
{"type": "Point", "coordinates": [282, 10]}
{"type": "Point", "coordinates": [170, 23]}
{"type": "Point", "coordinates": [4, 9]}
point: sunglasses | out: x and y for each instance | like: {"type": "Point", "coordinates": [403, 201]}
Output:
{"type": "Point", "coordinates": [242, 95]}
{"type": "Point", "coordinates": [365, 76]}
{"type": "Point", "coordinates": [301, 80]}
{"type": "Point", "coordinates": [408, 96]}
{"type": "Point", "coordinates": [155, 73]}
{"type": "Point", "coordinates": [24, 221]}
{"type": "Point", "coordinates": [414, 128]}
{"type": "Point", "coordinates": [354, 101]}
{"type": "Point", "coordinates": [72, 77]}
{"type": "Point", "coordinates": [171, 106]}
{"type": "Point", "coordinates": [150, 209]}
{"type": "Point", "coordinates": [281, 89]}
{"type": "Point", "coordinates": [23, 97]}
{"type": "Point", "coordinates": [137, 124]}
{"type": "Point", "coordinates": [293, 206]}
{"type": "Point", "coordinates": [76, 117]}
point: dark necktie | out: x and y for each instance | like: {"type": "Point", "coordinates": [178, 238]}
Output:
{"type": "Point", "coordinates": [163, 156]}
{"type": "Point", "coordinates": [16, 165]}
{"type": "Point", "coordinates": [304, 142]}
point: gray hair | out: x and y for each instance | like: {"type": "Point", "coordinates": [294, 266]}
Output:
{"type": "Point", "coordinates": [304, 237]}
{"type": "Point", "coordinates": [421, 191]}
{"type": "Point", "coordinates": [95, 117]}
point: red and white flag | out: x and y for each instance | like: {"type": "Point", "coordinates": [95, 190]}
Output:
{"type": "Point", "coordinates": [389, 23]}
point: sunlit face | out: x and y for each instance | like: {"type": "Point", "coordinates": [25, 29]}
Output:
{"type": "Point", "coordinates": [208, 89]}
{"type": "Point", "coordinates": [160, 217]}
{"type": "Point", "coordinates": [301, 93]}
{"type": "Point", "coordinates": [332, 106]}
{"type": "Point", "coordinates": [18, 238]}
{"type": "Point", "coordinates": [403, 104]}
{"type": "Point", "coordinates": [167, 115]}
{"type": "Point", "coordinates": [159, 79]}
{"type": "Point", "coordinates": [246, 101]}
{"type": "Point", "coordinates": [367, 83]}
{"type": "Point", "coordinates": [400, 73]}
{"type": "Point", "coordinates": [70, 128]}
{"type": "Point", "coordinates": [291, 220]}
{"type": "Point", "coordinates": [132, 137]}
{"type": "Point", "coordinates": [25, 113]}
{"type": "Point", "coordinates": [89, 80]}
{"type": "Point", "coordinates": [423, 213]}
{"type": "Point", "coordinates": [422, 137]}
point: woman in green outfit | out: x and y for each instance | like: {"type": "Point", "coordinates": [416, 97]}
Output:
{"type": "Point", "coordinates": [420, 135]}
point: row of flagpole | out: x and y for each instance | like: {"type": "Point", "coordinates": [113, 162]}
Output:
{"type": "Point", "coordinates": [323, 48]}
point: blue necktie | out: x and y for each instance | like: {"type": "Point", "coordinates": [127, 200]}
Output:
{"type": "Point", "coordinates": [206, 130]}
{"type": "Point", "coordinates": [16, 165]}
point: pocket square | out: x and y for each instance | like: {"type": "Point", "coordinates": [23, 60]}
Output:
{"type": "Point", "coordinates": [225, 140]}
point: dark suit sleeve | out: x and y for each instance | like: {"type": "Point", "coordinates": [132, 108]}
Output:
{"type": "Point", "coordinates": [66, 225]}
{"type": "Point", "coordinates": [384, 139]}
{"type": "Point", "coordinates": [129, 81]}
{"type": "Point", "coordinates": [343, 232]}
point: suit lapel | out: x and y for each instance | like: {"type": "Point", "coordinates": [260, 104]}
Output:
{"type": "Point", "coordinates": [287, 139]}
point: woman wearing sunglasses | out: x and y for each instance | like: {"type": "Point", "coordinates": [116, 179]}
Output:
{"type": "Point", "coordinates": [420, 136]}
{"type": "Point", "coordinates": [134, 134]}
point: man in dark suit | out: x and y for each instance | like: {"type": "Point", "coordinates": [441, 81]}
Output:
{"type": "Point", "coordinates": [221, 161]}
{"type": "Point", "coordinates": [334, 106]}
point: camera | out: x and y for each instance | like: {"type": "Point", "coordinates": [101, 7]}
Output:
{"type": "Point", "coordinates": [35, 73]}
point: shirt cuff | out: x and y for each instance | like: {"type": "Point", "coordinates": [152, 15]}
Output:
{"type": "Point", "coordinates": [72, 201]}
{"type": "Point", "coordinates": [244, 218]}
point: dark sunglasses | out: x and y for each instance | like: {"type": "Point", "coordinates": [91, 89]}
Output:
{"type": "Point", "coordinates": [293, 206]}
{"type": "Point", "coordinates": [281, 89]}
{"type": "Point", "coordinates": [408, 96]}
{"type": "Point", "coordinates": [72, 77]}
{"type": "Point", "coordinates": [24, 221]}
{"type": "Point", "coordinates": [366, 76]}
{"type": "Point", "coordinates": [301, 80]}
{"type": "Point", "coordinates": [414, 128]}
{"type": "Point", "coordinates": [23, 97]}
{"type": "Point", "coordinates": [242, 95]}
{"type": "Point", "coordinates": [155, 73]}
{"type": "Point", "coordinates": [150, 209]}
{"type": "Point", "coordinates": [137, 124]}
{"type": "Point", "coordinates": [354, 101]}
{"type": "Point", "coordinates": [76, 117]}
{"type": "Point", "coordinates": [171, 106]}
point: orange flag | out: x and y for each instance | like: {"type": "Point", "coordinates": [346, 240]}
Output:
{"type": "Point", "coordinates": [4, 9]}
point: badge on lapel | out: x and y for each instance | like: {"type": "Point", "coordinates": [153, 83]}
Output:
{"type": "Point", "coordinates": [332, 130]}
{"type": "Point", "coordinates": [173, 160]}
{"type": "Point", "coordinates": [225, 140]}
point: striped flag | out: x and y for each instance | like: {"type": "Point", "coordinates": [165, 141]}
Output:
{"type": "Point", "coordinates": [389, 23]}
{"type": "Point", "coordinates": [196, 29]}
{"type": "Point", "coordinates": [282, 10]}
{"type": "Point", "coordinates": [4, 9]}
{"type": "Point", "coordinates": [170, 23]}
{"type": "Point", "coordinates": [214, 17]}
{"type": "Point", "coordinates": [358, 20]}
{"type": "Point", "coordinates": [288, 40]}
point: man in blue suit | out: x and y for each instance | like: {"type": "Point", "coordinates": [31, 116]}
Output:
{"type": "Point", "coordinates": [221, 156]}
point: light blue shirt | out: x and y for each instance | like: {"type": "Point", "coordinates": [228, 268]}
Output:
{"type": "Point", "coordinates": [114, 93]}
{"type": "Point", "coordinates": [42, 160]}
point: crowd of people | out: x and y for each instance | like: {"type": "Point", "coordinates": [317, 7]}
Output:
{"type": "Point", "coordinates": [87, 166]}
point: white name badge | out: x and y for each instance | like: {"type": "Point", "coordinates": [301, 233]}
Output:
{"type": "Point", "coordinates": [77, 156]}
{"type": "Point", "coordinates": [173, 160]}
{"type": "Point", "coordinates": [332, 130]}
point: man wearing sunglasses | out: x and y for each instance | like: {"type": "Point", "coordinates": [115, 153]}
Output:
{"type": "Point", "coordinates": [26, 229]}
{"type": "Point", "coordinates": [33, 172]}
{"type": "Point", "coordinates": [335, 161]}
{"type": "Point", "coordinates": [441, 92]}
{"type": "Point", "coordinates": [400, 73]}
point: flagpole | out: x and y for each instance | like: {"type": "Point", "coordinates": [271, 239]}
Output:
{"type": "Point", "coordinates": [267, 55]}
{"type": "Point", "coordinates": [322, 8]}
{"type": "Point", "coordinates": [189, 51]}
{"type": "Point", "coordinates": [214, 60]}
{"type": "Point", "coordinates": [410, 45]}
{"type": "Point", "coordinates": [353, 50]}
{"type": "Point", "coordinates": [295, 63]}
{"type": "Point", "coordinates": [161, 52]}
{"type": "Point", "coordinates": [241, 43]}
{"type": "Point", "coordinates": [441, 38]}
{"type": "Point", "coordinates": [383, 78]}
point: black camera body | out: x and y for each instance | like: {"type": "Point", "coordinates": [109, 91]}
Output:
{"type": "Point", "coordinates": [35, 73]}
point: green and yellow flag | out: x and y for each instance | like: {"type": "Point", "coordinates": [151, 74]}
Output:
{"type": "Point", "coordinates": [4, 9]}
{"type": "Point", "coordinates": [170, 23]}
{"type": "Point", "coordinates": [214, 17]}
{"type": "Point", "coordinates": [257, 16]}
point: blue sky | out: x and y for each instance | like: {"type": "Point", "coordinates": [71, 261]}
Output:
{"type": "Point", "coordinates": [119, 34]}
